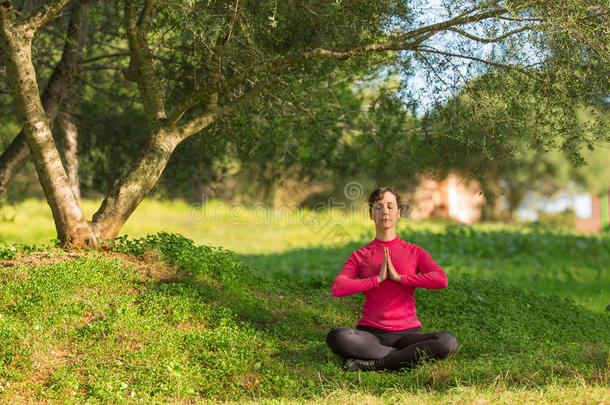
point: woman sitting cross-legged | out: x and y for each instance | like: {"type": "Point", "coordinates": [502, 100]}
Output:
{"type": "Point", "coordinates": [387, 270]}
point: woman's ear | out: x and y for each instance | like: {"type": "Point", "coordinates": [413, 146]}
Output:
{"type": "Point", "coordinates": [404, 209]}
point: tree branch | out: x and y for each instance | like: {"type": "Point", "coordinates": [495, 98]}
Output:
{"type": "Point", "coordinates": [197, 124]}
{"type": "Point", "coordinates": [119, 54]}
{"type": "Point", "coordinates": [44, 14]}
{"type": "Point", "coordinates": [487, 62]}
{"type": "Point", "coordinates": [7, 12]}
{"type": "Point", "coordinates": [496, 39]}
{"type": "Point", "coordinates": [110, 94]}
{"type": "Point", "coordinates": [215, 67]}
{"type": "Point", "coordinates": [521, 19]}
{"type": "Point", "coordinates": [57, 90]}
{"type": "Point", "coordinates": [448, 23]}
{"type": "Point", "coordinates": [398, 43]}
{"type": "Point", "coordinates": [148, 15]}
{"type": "Point", "coordinates": [109, 55]}
{"type": "Point", "coordinates": [6, 6]}
{"type": "Point", "coordinates": [433, 70]}
{"type": "Point", "coordinates": [141, 66]}
{"type": "Point", "coordinates": [65, 73]}
{"type": "Point", "coordinates": [220, 51]}
{"type": "Point", "coordinates": [102, 67]}
{"type": "Point", "coordinates": [477, 8]}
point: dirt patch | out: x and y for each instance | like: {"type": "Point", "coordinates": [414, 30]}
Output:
{"type": "Point", "coordinates": [40, 258]}
{"type": "Point", "coordinates": [150, 265]}
{"type": "Point", "coordinates": [44, 363]}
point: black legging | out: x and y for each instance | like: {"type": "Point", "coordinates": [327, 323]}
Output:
{"type": "Point", "coordinates": [395, 349]}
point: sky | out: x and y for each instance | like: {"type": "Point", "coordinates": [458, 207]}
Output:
{"type": "Point", "coordinates": [428, 90]}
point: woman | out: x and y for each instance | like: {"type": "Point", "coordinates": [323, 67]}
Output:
{"type": "Point", "coordinates": [388, 336]}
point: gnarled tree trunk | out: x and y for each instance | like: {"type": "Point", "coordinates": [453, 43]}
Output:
{"type": "Point", "coordinates": [72, 227]}
{"type": "Point", "coordinates": [132, 187]}
{"type": "Point", "coordinates": [69, 142]}
{"type": "Point", "coordinates": [57, 91]}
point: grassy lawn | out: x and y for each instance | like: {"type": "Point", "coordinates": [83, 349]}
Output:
{"type": "Point", "coordinates": [163, 319]}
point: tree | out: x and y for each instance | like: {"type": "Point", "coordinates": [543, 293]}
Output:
{"type": "Point", "coordinates": [521, 138]}
{"type": "Point", "coordinates": [237, 49]}
{"type": "Point", "coordinates": [56, 91]}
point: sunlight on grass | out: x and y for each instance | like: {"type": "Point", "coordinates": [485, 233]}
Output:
{"type": "Point", "coordinates": [498, 393]}
{"type": "Point", "coordinates": [295, 243]}
{"type": "Point", "coordinates": [244, 229]}
{"type": "Point", "coordinates": [548, 395]}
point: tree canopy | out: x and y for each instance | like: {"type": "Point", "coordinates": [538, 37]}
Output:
{"type": "Point", "coordinates": [195, 63]}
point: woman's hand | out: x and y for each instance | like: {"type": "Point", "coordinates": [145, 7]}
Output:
{"type": "Point", "coordinates": [383, 271]}
{"type": "Point", "coordinates": [392, 274]}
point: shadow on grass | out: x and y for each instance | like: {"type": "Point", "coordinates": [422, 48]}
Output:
{"type": "Point", "coordinates": [516, 330]}
{"type": "Point", "coordinates": [552, 263]}
{"type": "Point", "coordinates": [501, 328]}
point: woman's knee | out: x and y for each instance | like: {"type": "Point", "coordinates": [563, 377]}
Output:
{"type": "Point", "coordinates": [337, 336]}
{"type": "Point", "coordinates": [447, 344]}
{"type": "Point", "coordinates": [348, 343]}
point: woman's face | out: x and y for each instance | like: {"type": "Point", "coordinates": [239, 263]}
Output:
{"type": "Point", "coordinates": [385, 212]}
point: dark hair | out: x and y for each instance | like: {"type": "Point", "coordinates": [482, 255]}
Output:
{"type": "Point", "coordinates": [378, 193]}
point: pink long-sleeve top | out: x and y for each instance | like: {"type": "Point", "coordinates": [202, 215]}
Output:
{"type": "Point", "coordinates": [389, 305]}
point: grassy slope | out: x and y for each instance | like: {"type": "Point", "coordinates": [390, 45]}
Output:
{"type": "Point", "coordinates": [204, 326]}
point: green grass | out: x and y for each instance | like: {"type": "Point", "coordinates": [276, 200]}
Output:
{"type": "Point", "coordinates": [199, 322]}
{"type": "Point", "coordinates": [236, 227]}
{"type": "Point", "coordinates": [202, 326]}
{"type": "Point", "coordinates": [313, 246]}
{"type": "Point", "coordinates": [241, 228]}
{"type": "Point", "coordinates": [571, 266]}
